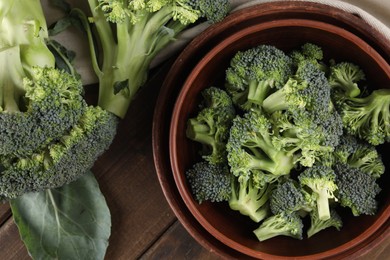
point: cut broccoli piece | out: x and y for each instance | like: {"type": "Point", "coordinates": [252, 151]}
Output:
{"type": "Point", "coordinates": [209, 182]}
{"type": "Point", "coordinates": [211, 125]}
{"type": "Point", "coordinates": [282, 224]}
{"type": "Point", "coordinates": [321, 180]}
{"type": "Point", "coordinates": [290, 197]}
{"type": "Point", "coordinates": [356, 190]}
{"type": "Point", "coordinates": [317, 224]}
{"type": "Point", "coordinates": [250, 200]}
{"type": "Point", "coordinates": [359, 154]}
{"type": "Point", "coordinates": [311, 53]}
{"type": "Point", "coordinates": [367, 117]}
{"type": "Point", "coordinates": [252, 153]}
{"type": "Point", "coordinates": [253, 73]}
{"type": "Point", "coordinates": [344, 77]}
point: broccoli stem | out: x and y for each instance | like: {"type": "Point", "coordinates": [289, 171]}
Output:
{"type": "Point", "coordinates": [275, 102]}
{"type": "Point", "coordinates": [126, 61]}
{"type": "Point", "coordinates": [12, 74]}
{"type": "Point", "coordinates": [258, 91]}
{"type": "Point", "coordinates": [323, 205]}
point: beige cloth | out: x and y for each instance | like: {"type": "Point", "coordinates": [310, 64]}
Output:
{"type": "Point", "coordinates": [374, 12]}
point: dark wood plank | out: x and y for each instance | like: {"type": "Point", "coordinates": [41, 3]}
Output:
{"type": "Point", "coordinates": [5, 212]}
{"type": "Point", "coordinates": [11, 246]}
{"type": "Point", "coordinates": [176, 243]}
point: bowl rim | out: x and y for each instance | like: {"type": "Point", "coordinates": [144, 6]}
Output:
{"type": "Point", "coordinates": [174, 149]}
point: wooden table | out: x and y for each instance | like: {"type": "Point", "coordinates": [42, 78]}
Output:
{"type": "Point", "coordinates": [143, 225]}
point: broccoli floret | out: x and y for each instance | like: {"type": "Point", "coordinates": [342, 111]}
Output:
{"type": "Point", "coordinates": [251, 153]}
{"type": "Point", "coordinates": [367, 117]}
{"type": "Point", "coordinates": [307, 89]}
{"type": "Point", "coordinates": [356, 190]}
{"type": "Point", "coordinates": [290, 197]}
{"type": "Point", "coordinates": [302, 138]}
{"type": "Point", "coordinates": [211, 125]}
{"type": "Point", "coordinates": [344, 77]}
{"type": "Point", "coordinates": [209, 182]}
{"type": "Point", "coordinates": [282, 224]}
{"type": "Point", "coordinates": [309, 52]}
{"type": "Point", "coordinates": [213, 10]}
{"type": "Point", "coordinates": [253, 73]}
{"type": "Point", "coordinates": [250, 200]}
{"type": "Point", "coordinates": [321, 180]}
{"type": "Point", "coordinates": [359, 154]}
{"type": "Point", "coordinates": [61, 161]}
{"type": "Point", "coordinates": [317, 224]}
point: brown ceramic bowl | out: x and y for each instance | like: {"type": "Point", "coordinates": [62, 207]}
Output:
{"type": "Point", "coordinates": [353, 240]}
{"type": "Point", "coordinates": [227, 226]}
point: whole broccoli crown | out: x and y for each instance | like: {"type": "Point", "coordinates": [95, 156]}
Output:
{"type": "Point", "coordinates": [319, 178]}
{"type": "Point", "coordinates": [287, 197]}
{"type": "Point", "coordinates": [209, 182]}
{"type": "Point", "coordinates": [367, 117]}
{"type": "Point", "coordinates": [213, 10]}
{"type": "Point", "coordinates": [344, 77]}
{"type": "Point", "coordinates": [54, 103]}
{"type": "Point", "coordinates": [282, 224]}
{"type": "Point", "coordinates": [317, 224]}
{"type": "Point", "coordinates": [356, 190]}
{"type": "Point", "coordinates": [133, 11]}
{"type": "Point", "coordinates": [61, 161]}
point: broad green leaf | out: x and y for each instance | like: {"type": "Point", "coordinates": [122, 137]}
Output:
{"type": "Point", "coordinates": [71, 222]}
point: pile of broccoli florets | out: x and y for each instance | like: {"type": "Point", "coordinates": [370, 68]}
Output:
{"type": "Point", "coordinates": [290, 137]}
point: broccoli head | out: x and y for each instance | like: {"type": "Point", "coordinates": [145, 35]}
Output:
{"type": "Point", "coordinates": [321, 180]}
{"type": "Point", "coordinates": [211, 125]}
{"type": "Point", "coordinates": [63, 160]}
{"type": "Point", "coordinates": [253, 74]}
{"type": "Point", "coordinates": [209, 182]}
{"type": "Point", "coordinates": [309, 52]}
{"type": "Point", "coordinates": [213, 10]}
{"type": "Point", "coordinates": [282, 224]}
{"type": "Point", "coordinates": [356, 190]}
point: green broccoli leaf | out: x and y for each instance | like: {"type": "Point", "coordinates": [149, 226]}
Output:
{"type": "Point", "coordinates": [71, 222]}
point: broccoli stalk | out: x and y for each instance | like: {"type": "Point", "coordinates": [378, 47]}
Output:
{"type": "Point", "coordinates": [321, 180]}
{"type": "Point", "coordinates": [131, 34]}
{"type": "Point", "coordinates": [249, 200]}
{"type": "Point", "coordinates": [317, 224]}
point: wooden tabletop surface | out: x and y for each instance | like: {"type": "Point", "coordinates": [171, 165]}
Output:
{"type": "Point", "coordinates": [143, 225]}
